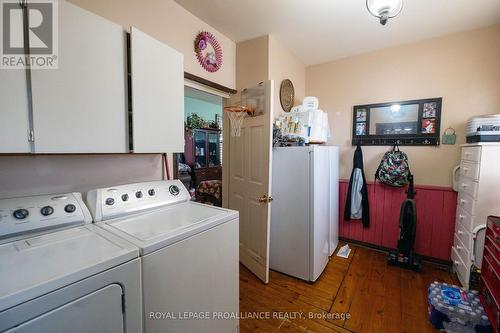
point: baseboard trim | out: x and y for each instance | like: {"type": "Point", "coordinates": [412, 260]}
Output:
{"type": "Point", "coordinates": [445, 263]}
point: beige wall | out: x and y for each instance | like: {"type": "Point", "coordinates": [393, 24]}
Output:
{"type": "Point", "coordinates": [284, 65]}
{"type": "Point", "coordinates": [462, 68]}
{"type": "Point", "coordinates": [45, 174]}
{"type": "Point", "coordinates": [172, 24]}
{"type": "Point", "coordinates": [265, 58]}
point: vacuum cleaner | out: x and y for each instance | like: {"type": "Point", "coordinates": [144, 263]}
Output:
{"type": "Point", "coordinates": [404, 256]}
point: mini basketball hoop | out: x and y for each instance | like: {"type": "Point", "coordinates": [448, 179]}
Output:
{"type": "Point", "coordinates": [236, 115]}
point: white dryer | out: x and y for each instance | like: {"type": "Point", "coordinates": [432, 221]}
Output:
{"type": "Point", "coordinates": [189, 254]}
{"type": "Point", "coordinates": [59, 273]}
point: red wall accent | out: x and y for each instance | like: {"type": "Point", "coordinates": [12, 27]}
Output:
{"type": "Point", "coordinates": [436, 208]}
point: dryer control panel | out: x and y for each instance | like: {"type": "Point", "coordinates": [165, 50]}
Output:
{"type": "Point", "coordinates": [123, 200]}
{"type": "Point", "coordinates": [35, 214]}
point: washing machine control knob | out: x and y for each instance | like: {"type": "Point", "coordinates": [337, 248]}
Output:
{"type": "Point", "coordinates": [138, 194]}
{"type": "Point", "coordinates": [125, 197]}
{"type": "Point", "coordinates": [151, 192]}
{"type": "Point", "coordinates": [69, 208]}
{"type": "Point", "coordinates": [110, 201]}
{"type": "Point", "coordinates": [21, 214]}
{"type": "Point", "coordinates": [174, 190]}
{"type": "Point", "coordinates": [46, 210]}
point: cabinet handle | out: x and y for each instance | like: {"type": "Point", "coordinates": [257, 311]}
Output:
{"type": "Point", "coordinates": [460, 232]}
{"type": "Point", "coordinates": [456, 262]}
{"type": "Point", "coordinates": [459, 247]}
{"type": "Point", "coordinates": [461, 217]}
{"type": "Point", "coordinates": [464, 185]}
{"type": "Point", "coordinates": [462, 201]}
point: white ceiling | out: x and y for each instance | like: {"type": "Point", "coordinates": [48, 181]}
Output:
{"type": "Point", "coordinates": [317, 31]}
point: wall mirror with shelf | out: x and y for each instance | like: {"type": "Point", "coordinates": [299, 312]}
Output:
{"type": "Point", "coordinates": [407, 123]}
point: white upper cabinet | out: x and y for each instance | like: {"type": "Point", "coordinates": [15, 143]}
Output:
{"type": "Point", "coordinates": [14, 126]}
{"type": "Point", "coordinates": [81, 107]}
{"type": "Point", "coordinates": [157, 95]}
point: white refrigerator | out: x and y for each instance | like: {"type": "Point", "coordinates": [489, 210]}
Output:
{"type": "Point", "coordinates": [304, 213]}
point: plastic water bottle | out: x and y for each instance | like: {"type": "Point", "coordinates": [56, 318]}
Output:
{"type": "Point", "coordinates": [461, 317]}
{"type": "Point", "coordinates": [474, 318]}
{"type": "Point", "coordinates": [485, 320]}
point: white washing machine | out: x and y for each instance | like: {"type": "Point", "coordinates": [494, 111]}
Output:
{"type": "Point", "coordinates": [189, 254]}
{"type": "Point", "coordinates": [59, 273]}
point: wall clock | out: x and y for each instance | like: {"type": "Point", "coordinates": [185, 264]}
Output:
{"type": "Point", "coordinates": [287, 95]}
{"type": "Point", "coordinates": [208, 51]}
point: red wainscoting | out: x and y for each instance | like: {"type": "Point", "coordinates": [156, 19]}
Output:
{"type": "Point", "coordinates": [436, 208]}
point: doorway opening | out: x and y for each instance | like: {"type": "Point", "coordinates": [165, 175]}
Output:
{"type": "Point", "coordinates": [200, 166]}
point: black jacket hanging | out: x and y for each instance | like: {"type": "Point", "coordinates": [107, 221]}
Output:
{"type": "Point", "coordinates": [356, 205]}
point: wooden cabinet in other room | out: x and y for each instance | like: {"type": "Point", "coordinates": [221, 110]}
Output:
{"type": "Point", "coordinates": [203, 154]}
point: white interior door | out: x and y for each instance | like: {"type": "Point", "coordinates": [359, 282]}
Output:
{"type": "Point", "coordinates": [250, 179]}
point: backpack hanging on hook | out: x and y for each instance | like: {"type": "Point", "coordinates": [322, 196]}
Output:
{"type": "Point", "coordinates": [394, 169]}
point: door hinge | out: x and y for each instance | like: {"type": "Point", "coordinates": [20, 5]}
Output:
{"type": "Point", "coordinates": [31, 136]}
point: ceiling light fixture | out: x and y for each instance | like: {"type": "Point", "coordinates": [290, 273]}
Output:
{"type": "Point", "coordinates": [384, 9]}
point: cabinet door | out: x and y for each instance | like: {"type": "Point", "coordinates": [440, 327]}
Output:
{"type": "Point", "coordinates": [81, 106]}
{"type": "Point", "coordinates": [200, 149]}
{"type": "Point", "coordinates": [157, 95]}
{"type": "Point", "coordinates": [213, 149]}
{"type": "Point", "coordinates": [13, 111]}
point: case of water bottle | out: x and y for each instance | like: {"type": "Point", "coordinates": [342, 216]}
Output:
{"type": "Point", "coordinates": [454, 309]}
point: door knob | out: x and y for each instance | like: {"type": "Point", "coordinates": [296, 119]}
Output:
{"type": "Point", "coordinates": [265, 198]}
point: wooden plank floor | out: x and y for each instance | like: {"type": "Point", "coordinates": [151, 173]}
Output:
{"type": "Point", "coordinates": [377, 297]}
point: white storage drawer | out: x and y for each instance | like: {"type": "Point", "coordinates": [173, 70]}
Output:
{"type": "Point", "coordinates": [460, 268]}
{"type": "Point", "coordinates": [464, 218]}
{"type": "Point", "coordinates": [464, 235]}
{"type": "Point", "coordinates": [466, 202]}
{"type": "Point", "coordinates": [462, 251]}
{"type": "Point", "coordinates": [471, 154]}
{"type": "Point", "coordinates": [468, 186]}
{"type": "Point", "coordinates": [469, 170]}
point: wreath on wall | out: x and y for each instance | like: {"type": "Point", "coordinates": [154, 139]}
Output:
{"type": "Point", "coordinates": [208, 51]}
